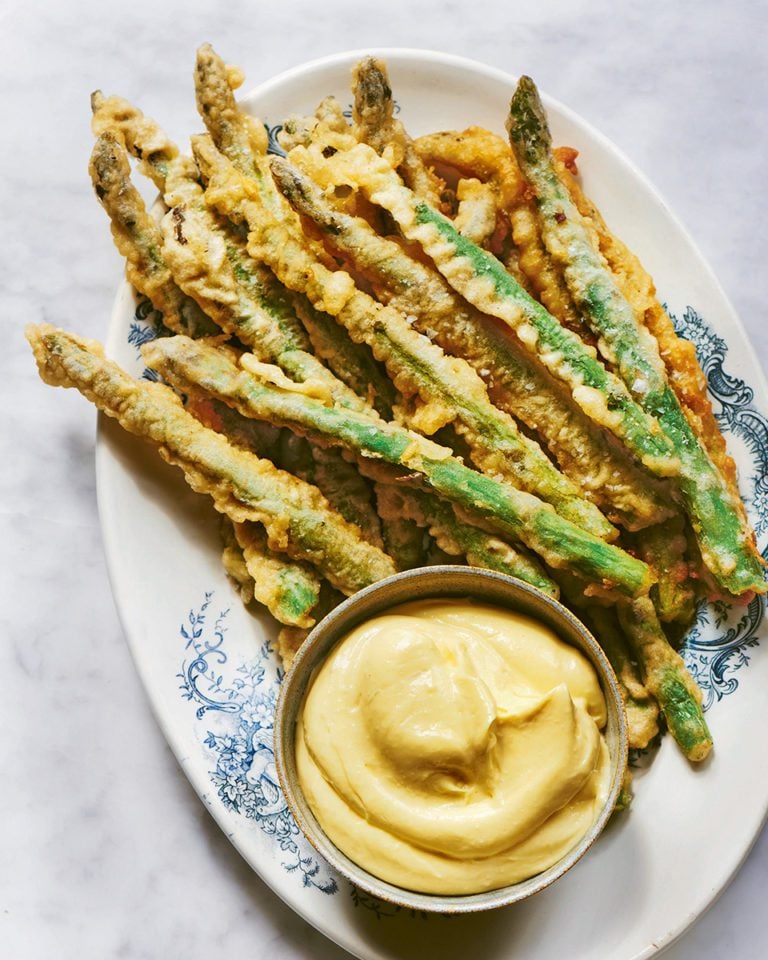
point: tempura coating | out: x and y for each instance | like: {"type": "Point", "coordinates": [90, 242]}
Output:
{"type": "Point", "coordinates": [376, 125]}
{"type": "Point", "coordinates": [139, 240]}
{"type": "Point", "coordinates": [233, 560]}
{"type": "Point", "coordinates": [664, 548]}
{"type": "Point", "coordinates": [479, 153]}
{"type": "Point", "coordinates": [289, 589]}
{"type": "Point", "coordinates": [516, 382]}
{"type": "Point", "coordinates": [298, 519]}
{"type": "Point", "coordinates": [483, 281]}
{"type": "Point", "coordinates": [237, 133]}
{"type": "Point", "coordinates": [679, 355]}
{"type": "Point", "coordinates": [725, 539]}
{"type": "Point", "coordinates": [417, 365]}
{"type": "Point", "coordinates": [478, 210]}
{"type": "Point", "coordinates": [667, 678]}
{"type": "Point", "coordinates": [458, 539]}
{"type": "Point", "coordinates": [641, 709]}
{"type": "Point", "coordinates": [195, 367]}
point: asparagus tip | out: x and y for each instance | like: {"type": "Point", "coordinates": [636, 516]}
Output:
{"type": "Point", "coordinates": [527, 120]}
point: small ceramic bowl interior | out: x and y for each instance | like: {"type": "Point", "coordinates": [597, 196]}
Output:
{"type": "Point", "coordinates": [428, 583]}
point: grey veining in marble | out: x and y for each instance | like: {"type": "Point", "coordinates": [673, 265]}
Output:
{"type": "Point", "coordinates": [106, 850]}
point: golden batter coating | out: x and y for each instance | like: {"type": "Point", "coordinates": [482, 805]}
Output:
{"type": "Point", "coordinates": [685, 375]}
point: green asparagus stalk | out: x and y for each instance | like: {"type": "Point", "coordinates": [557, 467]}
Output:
{"type": "Point", "coordinates": [516, 382]}
{"type": "Point", "coordinates": [484, 282]}
{"type": "Point", "coordinates": [667, 678]}
{"type": "Point", "coordinates": [459, 539]}
{"type": "Point", "coordinates": [375, 124]}
{"type": "Point", "coordinates": [726, 541]}
{"type": "Point", "coordinates": [664, 548]}
{"type": "Point", "coordinates": [290, 639]}
{"type": "Point", "coordinates": [243, 296]}
{"type": "Point", "coordinates": [338, 480]}
{"type": "Point", "coordinates": [641, 709]}
{"type": "Point", "coordinates": [298, 519]}
{"type": "Point", "coordinates": [416, 365]}
{"type": "Point", "coordinates": [353, 363]}
{"type": "Point", "coordinates": [240, 138]}
{"type": "Point", "coordinates": [289, 589]}
{"type": "Point", "coordinates": [138, 239]}
{"type": "Point", "coordinates": [195, 367]}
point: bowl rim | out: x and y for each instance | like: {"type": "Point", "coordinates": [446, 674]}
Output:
{"type": "Point", "coordinates": [338, 622]}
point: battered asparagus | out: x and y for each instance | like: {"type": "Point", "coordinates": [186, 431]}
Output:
{"type": "Point", "coordinates": [483, 280]}
{"type": "Point", "coordinates": [641, 709]}
{"type": "Point", "coordinates": [516, 382]}
{"type": "Point", "coordinates": [290, 590]}
{"type": "Point", "coordinates": [338, 480]}
{"type": "Point", "coordinates": [459, 539]}
{"type": "Point", "coordinates": [686, 376]}
{"type": "Point", "coordinates": [376, 125]}
{"type": "Point", "coordinates": [242, 140]}
{"type": "Point", "coordinates": [298, 519]}
{"type": "Point", "coordinates": [415, 364]}
{"type": "Point", "coordinates": [667, 678]}
{"type": "Point", "coordinates": [353, 363]}
{"type": "Point", "coordinates": [663, 548]}
{"type": "Point", "coordinates": [725, 538]}
{"type": "Point", "coordinates": [245, 298]}
{"type": "Point", "coordinates": [138, 239]}
{"type": "Point", "coordinates": [195, 367]}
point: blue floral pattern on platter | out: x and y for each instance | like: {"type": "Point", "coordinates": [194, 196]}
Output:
{"type": "Point", "coordinates": [238, 701]}
{"type": "Point", "coordinates": [240, 708]}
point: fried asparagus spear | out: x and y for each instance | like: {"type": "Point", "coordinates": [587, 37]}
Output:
{"type": "Point", "coordinates": [459, 539]}
{"type": "Point", "coordinates": [641, 708]}
{"type": "Point", "coordinates": [667, 678]}
{"type": "Point", "coordinates": [139, 240]}
{"type": "Point", "coordinates": [483, 154]}
{"type": "Point", "coordinates": [338, 480]}
{"type": "Point", "coordinates": [376, 125]}
{"type": "Point", "coordinates": [195, 367]}
{"type": "Point", "coordinates": [685, 374]}
{"type": "Point", "coordinates": [482, 279]}
{"type": "Point", "coordinates": [289, 639]}
{"type": "Point", "coordinates": [445, 384]}
{"type": "Point", "coordinates": [297, 518]}
{"type": "Point", "coordinates": [726, 541]}
{"type": "Point", "coordinates": [664, 675]}
{"type": "Point", "coordinates": [290, 590]}
{"type": "Point", "coordinates": [516, 382]}
{"type": "Point", "coordinates": [664, 549]}
{"type": "Point", "coordinates": [243, 296]}
{"type": "Point", "coordinates": [214, 269]}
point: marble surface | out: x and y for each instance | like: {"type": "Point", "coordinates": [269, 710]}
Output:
{"type": "Point", "coordinates": [106, 850]}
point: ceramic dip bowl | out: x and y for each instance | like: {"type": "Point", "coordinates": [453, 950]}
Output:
{"type": "Point", "coordinates": [441, 582]}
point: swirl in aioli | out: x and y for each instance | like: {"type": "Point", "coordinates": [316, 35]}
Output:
{"type": "Point", "coordinates": [452, 747]}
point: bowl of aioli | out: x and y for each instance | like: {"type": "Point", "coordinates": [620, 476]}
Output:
{"type": "Point", "coordinates": [451, 739]}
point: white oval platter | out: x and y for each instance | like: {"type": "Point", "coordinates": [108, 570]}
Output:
{"type": "Point", "coordinates": [212, 678]}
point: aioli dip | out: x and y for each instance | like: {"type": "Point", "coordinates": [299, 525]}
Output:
{"type": "Point", "coordinates": [453, 747]}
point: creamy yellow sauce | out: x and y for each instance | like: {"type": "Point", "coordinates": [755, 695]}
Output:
{"type": "Point", "coordinates": [453, 747]}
